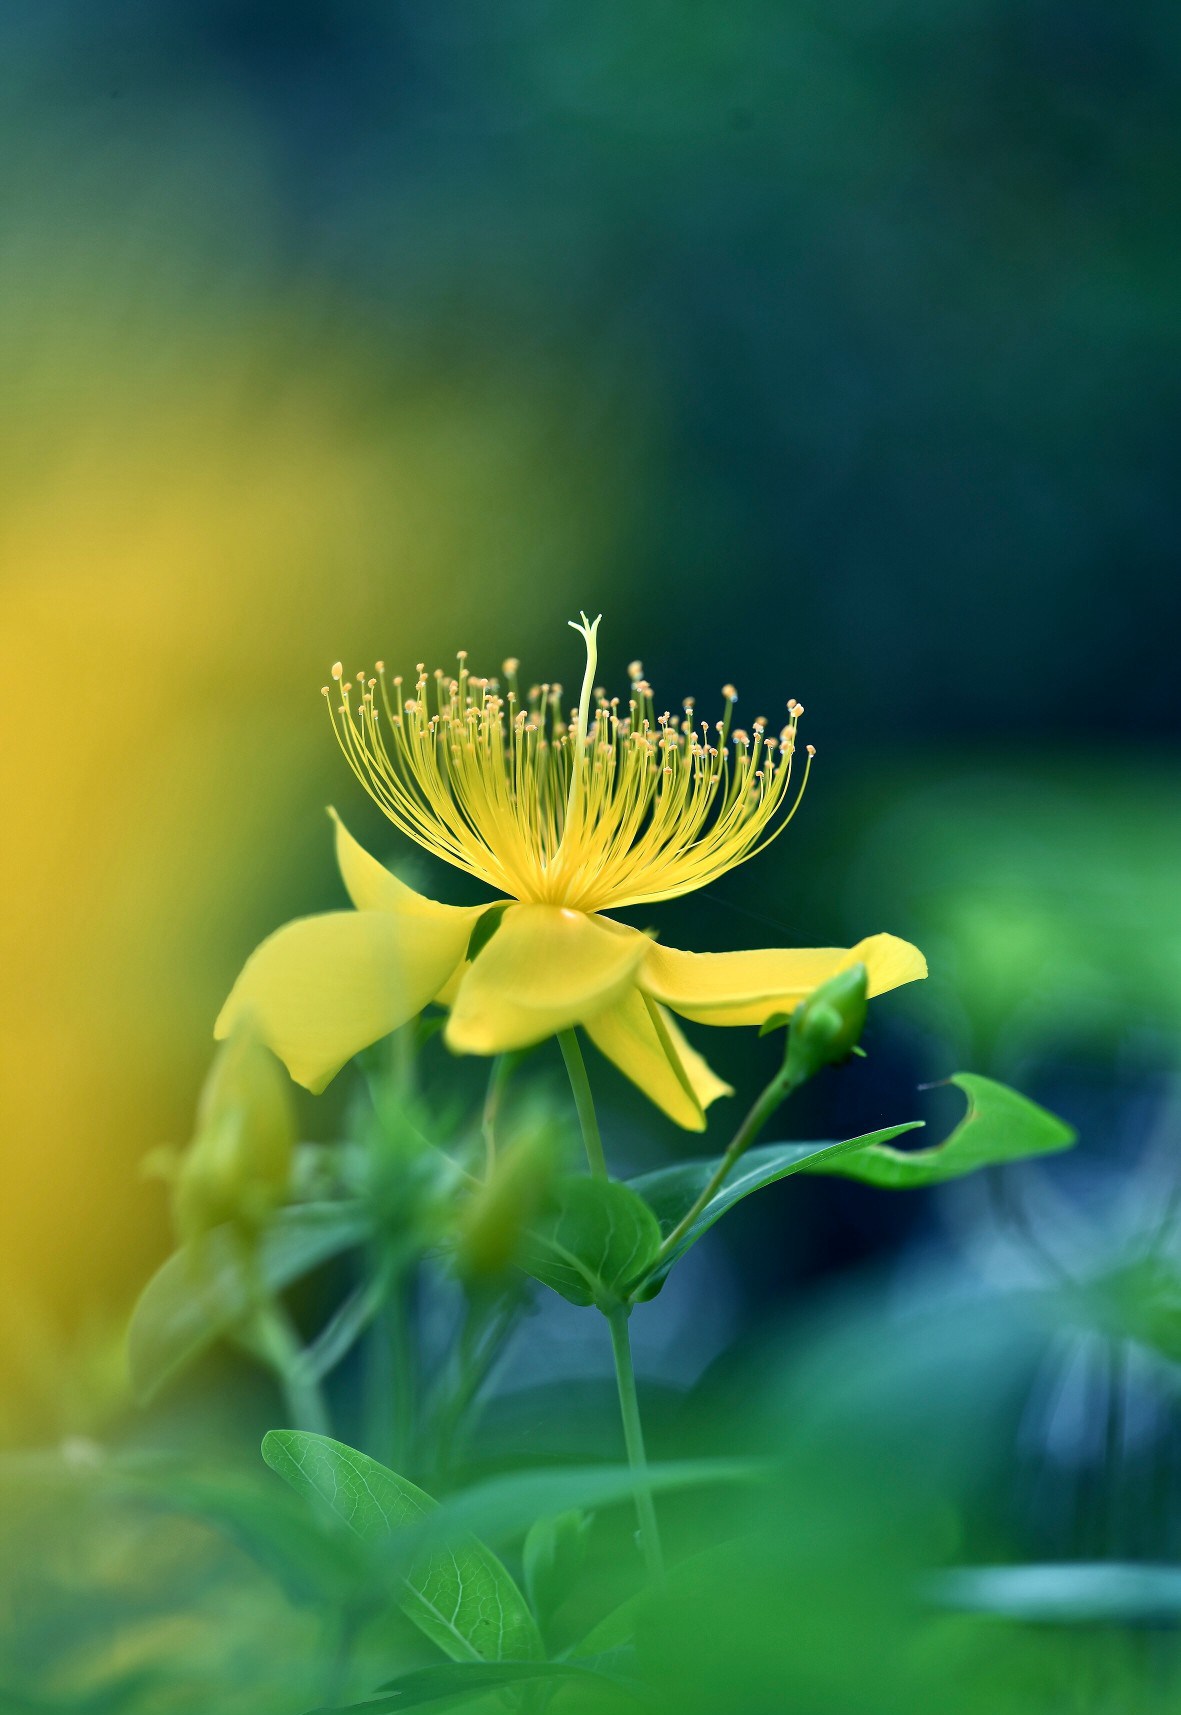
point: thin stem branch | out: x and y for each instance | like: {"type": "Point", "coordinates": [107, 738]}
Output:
{"type": "Point", "coordinates": [633, 1436]}
{"type": "Point", "coordinates": [764, 1105]}
{"type": "Point", "coordinates": [583, 1101]}
{"type": "Point", "coordinates": [301, 1391]}
{"type": "Point", "coordinates": [402, 1369]}
{"type": "Point", "coordinates": [497, 1079]}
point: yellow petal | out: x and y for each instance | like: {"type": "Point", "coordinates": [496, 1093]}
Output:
{"type": "Point", "coordinates": [322, 988]}
{"type": "Point", "coordinates": [544, 969]}
{"type": "Point", "coordinates": [645, 1042]}
{"type": "Point", "coordinates": [749, 988]}
{"type": "Point", "coordinates": [371, 887]}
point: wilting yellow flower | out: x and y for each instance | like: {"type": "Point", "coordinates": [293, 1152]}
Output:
{"type": "Point", "coordinates": [618, 808]}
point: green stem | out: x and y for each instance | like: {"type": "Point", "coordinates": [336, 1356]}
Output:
{"type": "Point", "coordinates": [497, 1079]}
{"type": "Point", "coordinates": [302, 1393]}
{"type": "Point", "coordinates": [583, 1101]}
{"type": "Point", "coordinates": [401, 1350]}
{"type": "Point", "coordinates": [633, 1436]}
{"type": "Point", "coordinates": [776, 1092]}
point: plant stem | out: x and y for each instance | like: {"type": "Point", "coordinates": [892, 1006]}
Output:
{"type": "Point", "coordinates": [301, 1391]}
{"type": "Point", "coordinates": [497, 1079]}
{"type": "Point", "coordinates": [400, 1327]}
{"type": "Point", "coordinates": [764, 1105]}
{"type": "Point", "coordinates": [633, 1437]}
{"type": "Point", "coordinates": [583, 1101]}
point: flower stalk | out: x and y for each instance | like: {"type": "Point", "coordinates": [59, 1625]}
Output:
{"type": "Point", "coordinates": [584, 1102]}
{"type": "Point", "coordinates": [633, 1437]}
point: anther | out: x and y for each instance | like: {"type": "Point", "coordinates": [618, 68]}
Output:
{"type": "Point", "coordinates": [337, 671]}
{"type": "Point", "coordinates": [730, 694]}
{"type": "Point", "coordinates": [811, 749]}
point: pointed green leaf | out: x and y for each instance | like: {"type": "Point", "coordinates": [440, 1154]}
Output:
{"type": "Point", "coordinates": [597, 1237]}
{"type": "Point", "coordinates": [999, 1126]}
{"type": "Point", "coordinates": [671, 1192]}
{"type": "Point", "coordinates": [463, 1679]}
{"type": "Point", "coordinates": [459, 1594]}
{"type": "Point", "coordinates": [309, 1560]}
{"type": "Point", "coordinates": [503, 1506]}
{"type": "Point", "coordinates": [201, 1292]}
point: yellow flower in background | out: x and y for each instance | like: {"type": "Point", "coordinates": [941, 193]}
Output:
{"type": "Point", "coordinates": [620, 807]}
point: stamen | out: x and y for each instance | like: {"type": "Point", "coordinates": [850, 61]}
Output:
{"type": "Point", "coordinates": [621, 806]}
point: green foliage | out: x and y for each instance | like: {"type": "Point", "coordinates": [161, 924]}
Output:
{"type": "Point", "coordinates": [1000, 1126]}
{"type": "Point", "coordinates": [239, 1163]}
{"type": "Point", "coordinates": [312, 1563]}
{"type": "Point", "coordinates": [553, 1556]}
{"type": "Point", "coordinates": [507, 1200]}
{"type": "Point", "coordinates": [452, 1682]}
{"type": "Point", "coordinates": [671, 1192]}
{"type": "Point", "coordinates": [503, 1507]}
{"type": "Point", "coordinates": [202, 1292]}
{"type": "Point", "coordinates": [598, 1236]}
{"type": "Point", "coordinates": [460, 1595]}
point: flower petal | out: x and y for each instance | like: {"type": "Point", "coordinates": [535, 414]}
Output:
{"type": "Point", "coordinates": [544, 969]}
{"type": "Point", "coordinates": [749, 988]}
{"type": "Point", "coordinates": [322, 988]}
{"type": "Point", "coordinates": [647, 1045]}
{"type": "Point", "coordinates": [372, 887]}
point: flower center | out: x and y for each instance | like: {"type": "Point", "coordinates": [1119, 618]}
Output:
{"type": "Point", "coordinates": [608, 809]}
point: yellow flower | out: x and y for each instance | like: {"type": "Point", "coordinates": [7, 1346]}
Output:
{"type": "Point", "coordinates": [565, 821]}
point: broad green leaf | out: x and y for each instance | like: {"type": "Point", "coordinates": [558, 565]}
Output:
{"type": "Point", "coordinates": [615, 1631]}
{"type": "Point", "coordinates": [308, 1560]}
{"type": "Point", "coordinates": [598, 1236]}
{"type": "Point", "coordinates": [1073, 1593]}
{"type": "Point", "coordinates": [552, 1559]}
{"type": "Point", "coordinates": [198, 1294]}
{"type": "Point", "coordinates": [999, 1126]}
{"type": "Point", "coordinates": [459, 1594]}
{"type": "Point", "coordinates": [503, 1507]}
{"type": "Point", "coordinates": [464, 1679]}
{"type": "Point", "coordinates": [671, 1192]}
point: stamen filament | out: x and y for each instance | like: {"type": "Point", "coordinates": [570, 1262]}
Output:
{"type": "Point", "coordinates": [609, 811]}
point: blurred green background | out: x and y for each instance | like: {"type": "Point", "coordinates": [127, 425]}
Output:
{"type": "Point", "coordinates": [833, 353]}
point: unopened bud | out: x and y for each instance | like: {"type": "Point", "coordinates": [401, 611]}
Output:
{"type": "Point", "coordinates": [827, 1026]}
{"type": "Point", "coordinates": [508, 1201]}
{"type": "Point", "coordinates": [238, 1167]}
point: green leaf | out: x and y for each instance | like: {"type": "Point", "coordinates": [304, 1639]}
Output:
{"type": "Point", "coordinates": [616, 1630]}
{"type": "Point", "coordinates": [999, 1126]}
{"type": "Point", "coordinates": [200, 1292]}
{"type": "Point", "coordinates": [504, 1506]}
{"type": "Point", "coordinates": [1073, 1593]}
{"type": "Point", "coordinates": [598, 1236]}
{"type": "Point", "coordinates": [458, 1594]}
{"type": "Point", "coordinates": [671, 1192]}
{"type": "Point", "coordinates": [484, 928]}
{"type": "Point", "coordinates": [309, 1561]}
{"type": "Point", "coordinates": [465, 1679]}
{"type": "Point", "coordinates": [552, 1559]}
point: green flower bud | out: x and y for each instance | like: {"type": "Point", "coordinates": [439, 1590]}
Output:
{"type": "Point", "coordinates": [238, 1167]}
{"type": "Point", "coordinates": [506, 1203]}
{"type": "Point", "coordinates": [554, 1555]}
{"type": "Point", "coordinates": [827, 1026]}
